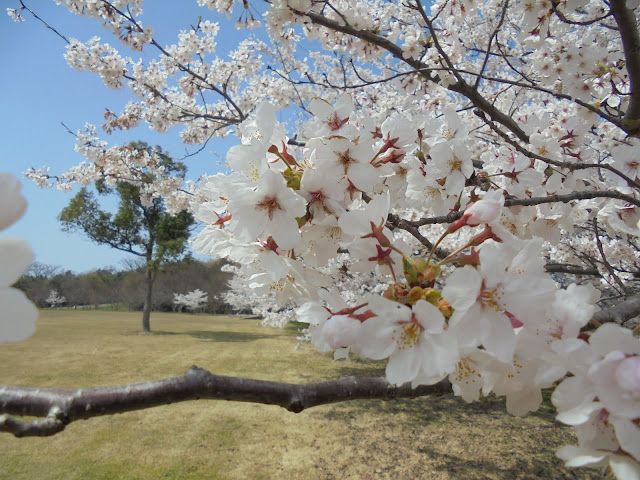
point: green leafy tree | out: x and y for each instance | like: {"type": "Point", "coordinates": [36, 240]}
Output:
{"type": "Point", "coordinates": [143, 229]}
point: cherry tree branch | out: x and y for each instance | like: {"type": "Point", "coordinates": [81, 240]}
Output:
{"type": "Point", "coordinates": [620, 313]}
{"type": "Point", "coordinates": [584, 195]}
{"type": "Point", "coordinates": [494, 35]}
{"type": "Point", "coordinates": [571, 269]}
{"type": "Point", "coordinates": [628, 27]}
{"type": "Point", "coordinates": [605, 262]}
{"type": "Point", "coordinates": [512, 202]}
{"type": "Point", "coordinates": [394, 221]}
{"type": "Point", "coordinates": [571, 166]}
{"type": "Point", "coordinates": [460, 86]}
{"type": "Point", "coordinates": [220, 91]}
{"type": "Point", "coordinates": [46, 25]}
{"type": "Point", "coordinates": [564, 19]}
{"type": "Point", "coordinates": [60, 407]}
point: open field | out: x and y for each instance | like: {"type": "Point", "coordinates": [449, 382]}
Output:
{"type": "Point", "coordinates": [427, 438]}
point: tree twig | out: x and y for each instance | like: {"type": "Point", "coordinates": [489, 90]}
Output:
{"type": "Point", "coordinates": [460, 86]}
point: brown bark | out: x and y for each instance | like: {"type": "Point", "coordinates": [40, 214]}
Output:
{"type": "Point", "coordinates": [148, 301]}
{"type": "Point", "coordinates": [59, 407]}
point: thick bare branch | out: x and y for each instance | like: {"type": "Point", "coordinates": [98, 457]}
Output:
{"type": "Point", "coordinates": [61, 407]}
{"type": "Point", "coordinates": [621, 312]}
{"type": "Point", "coordinates": [584, 195]}
{"type": "Point", "coordinates": [571, 269]}
{"type": "Point", "coordinates": [628, 28]}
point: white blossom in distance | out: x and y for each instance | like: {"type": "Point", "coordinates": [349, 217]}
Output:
{"type": "Point", "coordinates": [54, 299]}
{"type": "Point", "coordinates": [191, 300]}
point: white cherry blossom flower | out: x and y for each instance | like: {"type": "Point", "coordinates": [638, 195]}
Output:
{"type": "Point", "coordinates": [323, 239]}
{"type": "Point", "coordinates": [330, 120]}
{"type": "Point", "coordinates": [453, 163]}
{"type": "Point", "coordinates": [270, 209]}
{"type": "Point", "coordinates": [325, 190]}
{"type": "Point", "coordinates": [414, 339]}
{"type": "Point", "coordinates": [353, 159]}
{"type": "Point", "coordinates": [17, 321]}
{"type": "Point", "coordinates": [448, 129]}
{"type": "Point", "coordinates": [602, 401]}
{"type": "Point", "coordinates": [506, 291]}
{"type": "Point", "coordinates": [485, 210]}
{"type": "Point", "coordinates": [626, 159]}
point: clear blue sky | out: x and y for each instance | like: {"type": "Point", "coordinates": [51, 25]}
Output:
{"type": "Point", "coordinates": [39, 91]}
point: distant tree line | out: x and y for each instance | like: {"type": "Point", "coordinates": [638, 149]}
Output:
{"type": "Point", "coordinates": [126, 288]}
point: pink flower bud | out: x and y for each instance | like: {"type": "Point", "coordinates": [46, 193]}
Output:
{"type": "Point", "coordinates": [483, 211]}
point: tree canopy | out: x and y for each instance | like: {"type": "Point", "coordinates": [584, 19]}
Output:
{"type": "Point", "coordinates": [141, 226]}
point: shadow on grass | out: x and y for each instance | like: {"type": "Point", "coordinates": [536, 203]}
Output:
{"type": "Point", "coordinates": [426, 410]}
{"type": "Point", "coordinates": [421, 411]}
{"type": "Point", "coordinates": [462, 467]}
{"type": "Point", "coordinates": [219, 336]}
{"type": "Point", "coordinates": [432, 409]}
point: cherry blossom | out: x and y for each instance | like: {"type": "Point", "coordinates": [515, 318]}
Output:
{"type": "Point", "coordinates": [270, 209]}
{"type": "Point", "coordinates": [435, 165]}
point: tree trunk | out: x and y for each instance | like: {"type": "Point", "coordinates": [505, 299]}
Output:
{"type": "Point", "coordinates": [146, 312]}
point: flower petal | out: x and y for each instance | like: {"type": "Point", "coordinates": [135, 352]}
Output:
{"type": "Point", "coordinates": [15, 257]}
{"type": "Point", "coordinates": [17, 321]}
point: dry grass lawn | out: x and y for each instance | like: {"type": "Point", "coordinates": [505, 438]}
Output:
{"type": "Point", "coordinates": [427, 438]}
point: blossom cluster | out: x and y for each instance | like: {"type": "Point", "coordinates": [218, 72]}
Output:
{"type": "Point", "coordinates": [486, 315]}
{"type": "Point", "coordinates": [140, 167]}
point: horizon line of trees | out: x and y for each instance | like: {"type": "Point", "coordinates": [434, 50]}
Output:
{"type": "Point", "coordinates": [109, 286]}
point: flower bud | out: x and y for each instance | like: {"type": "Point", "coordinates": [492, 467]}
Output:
{"type": "Point", "coordinates": [415, 294]}
{"type": "Point", "coordinates": [432, 296]}
{"type": "Point", "coordinates": [483, 211]}
{"type": "Point", "coordinates": [445, 308]}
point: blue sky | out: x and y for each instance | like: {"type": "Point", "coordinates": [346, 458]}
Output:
{"type": "Point", "coordinates": [39, 91]}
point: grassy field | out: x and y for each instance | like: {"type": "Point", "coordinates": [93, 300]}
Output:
{"type": "Point", "coordinates": [427, 438]}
